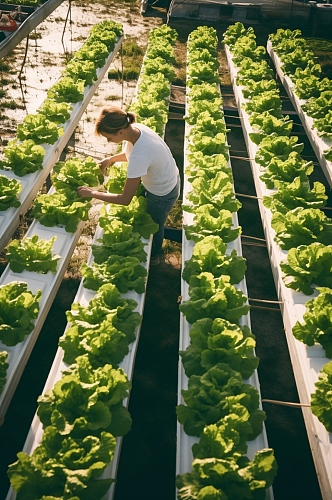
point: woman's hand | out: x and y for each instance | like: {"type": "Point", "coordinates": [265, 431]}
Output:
{"type": "Point", "coordinates": [103, 164]}
{"type": "Point", "coordinates": [85, 191]}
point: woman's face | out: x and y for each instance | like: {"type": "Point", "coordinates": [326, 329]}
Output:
{"type": "Point", "coordinates": [117, 137]}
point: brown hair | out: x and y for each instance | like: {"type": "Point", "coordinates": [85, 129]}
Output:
{"type": "Point", "coordinates": [112, 119]}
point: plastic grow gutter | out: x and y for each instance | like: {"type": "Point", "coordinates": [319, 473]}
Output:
{"type": "Point", "coordinates": [83, 297]}
{"type": "Point", "coordinates": [49, 283]}
{"type": "Point", "coordinates": [307, 361]}
{"type": "Point", "coordinates": [184, 456]}
{"type": "Point", "coordinates": [31, 183]}
{"type": "Point", "coordinates": [29, 24]}
{"type": "Point", "coordinates": [319, 144]}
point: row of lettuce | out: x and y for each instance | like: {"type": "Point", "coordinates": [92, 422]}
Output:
{"type": "Point", "coordinates": [300, 225]}
{"type": "Point", "coordinates": [300, 65]}
{"type": "Point", "coordinates": [219, 408]}
{"type": "Point", "coordinates": [84, 413]}
{"type": "Point", "coordinates": [25, 155]}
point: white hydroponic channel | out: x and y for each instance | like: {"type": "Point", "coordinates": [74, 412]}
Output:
{"type": "Point", "coordinates": [307, 361]}
{"type": "Point", "coordinates": [83, 297]}
{"type": "Point", "coordinates": [64, 246]}
{"type": "Point", "coordinates": [184, 457]}
{"type": "Point", "coordinates": [319, 144]}
{"type": "Point", "coordinates": [31, 183]}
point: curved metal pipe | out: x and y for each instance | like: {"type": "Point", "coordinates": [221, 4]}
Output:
{"type": "Point", "coordinates": [28, 25]}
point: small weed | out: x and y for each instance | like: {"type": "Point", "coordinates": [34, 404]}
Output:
{"type": "Point", "coordinates": [11, 105]}
{"type": "Point", "coordinates": [131, 49]}
{"type": "Point", "coordinates": [59, 19]}
{"type": "Point", "coordinates": [2, 93]}
{"type": "Point", "coordinates": [35, 36]}
{"type": "Point", "coordinates": [4, 67]}
{"type": "Point", "coordinates": [2, 118]}
{"type": "Point", "coordinates": [112, 98]}
{"type": "Point", "coordinates": [69, 56]}
{"type": "Point", "coordinates": [4, 142]}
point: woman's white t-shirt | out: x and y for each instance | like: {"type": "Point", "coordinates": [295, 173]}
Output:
{"type": "Point", "coordinates": [151, 159]}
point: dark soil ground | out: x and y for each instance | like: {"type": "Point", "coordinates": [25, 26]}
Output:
{"type": "Point", "coordinates": [147, 463]}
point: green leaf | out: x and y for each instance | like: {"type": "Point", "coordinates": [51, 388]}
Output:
{"type": "Point", "coordinates": [126, 273]}
{"type": "Point", "coordinates": [219, 341]}
{"type": "Point", "coordinates": [213, 298]}
{"type": "Point", "coordinates": [209, 256]}
{"type": "Point", "coordinates": [32, 254]}
{"type": "Point", "coordinates": [301, 227]}
{"type": "Point", "coordinates": [9, 190]}
{"type": "Point", "coordinates": [317, 322]}
{"type": "Point", "coordinates": [308, 265]}
{"type": "Point", "coordinates": [57, 112]}
{"type": "Point", "coordinates": [23, 158]}
{"type": "Point", "coordinates": [321, 398]}
{"type": "Point", "coordinates": [18, 309]}
{"type": "Point", "coordinates": [3, 369]}
{"type": "Point", "coordinates": [39, 129]}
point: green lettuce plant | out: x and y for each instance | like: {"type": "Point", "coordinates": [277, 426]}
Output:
{"type": "Point", "coordinates": [308, 265]}
{"type": "Point", "coordinates": [320, 399]}
{"type": "Point", "coordinates": [9, 190]}
{"type": "Point", "coordinates": [87, 401]}
{"type": "Point", "coordinates": [301, 226]}
{"type": "Point", "coordinates": [64, 207]}
{"type": "Point", "coordinates": [38, 128]}
{"type": "Point", "coordinates": [79, 70]}
{"type": "Point", "coordinates": [57, 112]}
{"type": "Point", "coordinates": [317, 321]}
{"type": "Point", "coordinates": [211, 396]}
{"type": "Point", "coordinates": [210, 221]}
{"type": "Point", "coordinates": [64, 467]}
{"type": "Point", "coordinates": [214, 478]}
{"type": "Point", "coordinates": [212, 297]}
{"type": "Point", "coordinates": [118, 239]}
{"type": "Point", "coordinates": [67, 90]}
{"type": "Point", "coordinates": [279, 172]}
{"type": "Point", "coordinates": [23, 158]}
{"type": "Point", "coordinates": [3, 369]}
{"type": "Point", "coordinates": [134, 214]}
{"type": "Point", "coordinates": [18, 309]}
{"type": "Point", "coordinates": [209, 256]}
{"type": "Point", "coordinates": [126, 273]}
{"type": "Point", "coordinates": [294, 195]}
{"type": "Point", "coordinates": [32, 254]}
{"type": "Point", "coordinates": [76, 172]}
{"type": "Point", "coordinates": [216, 341]}
{"type": "Point", "coordinates": [103, 329]}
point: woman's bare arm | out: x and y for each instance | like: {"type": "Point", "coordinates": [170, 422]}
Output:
{"type": "Point", "coordinates": [112, 159]}
{"type": "Point", "coordinates": [124, 198]}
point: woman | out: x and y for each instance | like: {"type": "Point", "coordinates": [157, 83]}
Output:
{"type": "Point", "coordinates": [149, 159]}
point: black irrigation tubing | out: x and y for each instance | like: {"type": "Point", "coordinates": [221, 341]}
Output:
{"type": "Point", "coordinates": [284, 403]}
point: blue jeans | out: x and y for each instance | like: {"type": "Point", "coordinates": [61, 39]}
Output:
{"type": "Point", "coordinates": [159, 208]}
